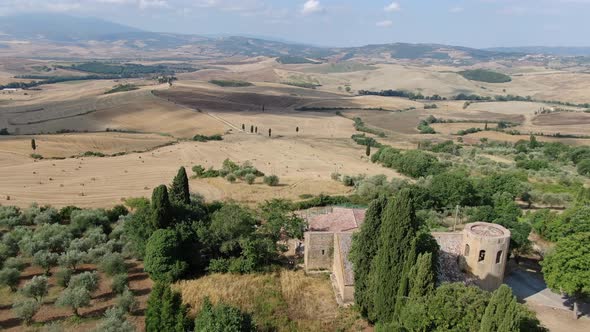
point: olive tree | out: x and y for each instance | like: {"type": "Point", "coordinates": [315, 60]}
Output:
{"type": "Point", "coordinates": [74, 298]}
{"type": "Point", "coordinates": [25, 309]}
{"type": "Point", "coordinates": [9, 277]}
{"type": "Point", "coordinates": [46, 260]}
{"type": "Point", "coordinates": [36, 288]}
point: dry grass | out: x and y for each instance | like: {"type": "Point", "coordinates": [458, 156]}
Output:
{"type": "Point", "coordinates": [283, 301]}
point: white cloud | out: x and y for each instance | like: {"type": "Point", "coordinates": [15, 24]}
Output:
{"type": "Point", "coordinates": [456, 9]}
{"type": "Point", "coordinates": [392, 7]}
{"type": "Point", "coordinates": [311, 7]}
{"type": "Point", "coordinates": [384, 24]}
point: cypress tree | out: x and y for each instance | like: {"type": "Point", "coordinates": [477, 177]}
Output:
{"type": "Point", "coordinates": [269, 132]}
{"type": "Point", "coordinates": [243, 126]}
{"type": "Point", "coordinates": [422, 277]}
{"type": "Point", "coordinates": [502, 313]}
{"type": "Point", "coordinates": [396, 242]}
{"type": "Point", "coordinates": [368, 150]}
{"type": "Point", "coordinates": [161, 209]}
{"type": "Point", "coordinates": [165, 311]}
{"type": "Point", "coordinates": [364, 248]}
{"type": "Point", "coordinates": [251, 129]}
{"type": "Point", "coordinates": [153, 311]}
{"type": "Point", "coordinates": [33, 144]}
{"type": "Point", "coordinates": [179, 191]}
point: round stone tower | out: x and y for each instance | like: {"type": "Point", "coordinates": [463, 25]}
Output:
{"type": "Point", "coordinates": [485, 252]}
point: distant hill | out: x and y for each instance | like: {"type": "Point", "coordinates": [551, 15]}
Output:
{"type": "Point", "coordinates": [98, 34]}
{"type": "Point", "coordinates": [57, 27]}
{"type": "Point", "coordinates": [559, 51]}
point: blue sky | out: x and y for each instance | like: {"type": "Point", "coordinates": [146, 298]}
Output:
{"type": "Point", "coordinates": [475, 23]}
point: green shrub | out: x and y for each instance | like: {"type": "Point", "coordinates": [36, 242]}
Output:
{"type": "Point", "coordinates": [198, 170]}
{"type": "Point", "coordinates": [204, 138]}
{"type": "Point", "coordinates": [14, 263]}
{"type": "Point", "coordinates": [231, 178]}
{"type": "Point", "coordinates": [250, 178]}
{"type": "Point", "coordinates": [222, 317]}
{"type": "Point", "coordinates": [36, 156]}
{"type": "Point", "coordinates": [63, 276]}
{"type": "Point", "coordinates": [122, 88]}
{"type": "Point", "coordinates": [271, 180]}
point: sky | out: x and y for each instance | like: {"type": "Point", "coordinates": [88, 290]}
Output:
{"type": "Point", "coordinates": [473, 23]}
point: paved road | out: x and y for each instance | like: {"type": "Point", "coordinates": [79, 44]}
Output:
{"type": "Point", "coordinates": [529, 286]}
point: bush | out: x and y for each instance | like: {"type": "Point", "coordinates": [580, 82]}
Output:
{"type": "Point", "coordinates": [113, 264]}
{"type": "Point", "coordinates": [250, 178]}
{"type": "Point", "coordinates": [116, 212]}
{"type": "Point", "coordinates": [231, 178]}
{"type": "Point", "coordinates": [25, 309]}
{"type": "Point", "coordinates": [63, 276]}
{"type": "Point", "coordinates": [198, 170]}
{"type": "Point", "coordinates": [584, 167]}
{"type": "Point", "coordinates": [86, 280]}
{"type": "Point", "coordinates": [204, 138]}
{"type": "Point", "coordinates": [119, 283]}
{"type": "Point", "coordinates": [271, 180]}
{"type": "Point", "coordinates": [222, 317]}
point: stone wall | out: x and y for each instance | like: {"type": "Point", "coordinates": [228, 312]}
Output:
{"type": "Point", "coordinates": [319, 251]}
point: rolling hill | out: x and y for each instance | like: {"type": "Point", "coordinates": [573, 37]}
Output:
{"type": "Point", "coordinates": [98, 36]}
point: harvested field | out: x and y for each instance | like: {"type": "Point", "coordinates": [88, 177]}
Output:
{"type": "Point", "coordinates": [67, 145]}
{"type": "Point", "coordinates": [304, 166]}
{"type": "Point", "coordinates": [453, 128]}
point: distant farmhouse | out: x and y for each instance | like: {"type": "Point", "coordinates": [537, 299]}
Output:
{"type": "Point", "coordinates": [477, 255]}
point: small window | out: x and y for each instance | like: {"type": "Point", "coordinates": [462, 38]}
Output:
{"type": "Point", "coordinates": [482, 255]}
{"type": "Point", "coordinates": [498, 257]}
{"type": "Point", "coordinates": [323, 252]}
{"type": "Point", "coordinates": [466, 250]}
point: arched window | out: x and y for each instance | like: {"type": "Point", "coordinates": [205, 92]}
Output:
{"type": "Point", "coordinates": [466, 250]}
{"type": "Point", "coordinates": [498, 257]}
{"type": "Point", "coordinates": [482, 256]}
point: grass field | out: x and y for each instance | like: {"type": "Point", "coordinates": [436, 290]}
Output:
{"type": "Point", "coordinates": [281, 301]}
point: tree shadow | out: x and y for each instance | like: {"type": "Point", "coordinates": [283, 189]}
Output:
{"type": "Point", "coordinates": [11, 322]}
{"type": "Point", "coordinates": [141, 292]}
{"type": "Point", "coordinates": [137, 277]}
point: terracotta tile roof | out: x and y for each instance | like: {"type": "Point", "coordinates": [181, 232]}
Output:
{"type": "Point", "coordinates": [339, 220]}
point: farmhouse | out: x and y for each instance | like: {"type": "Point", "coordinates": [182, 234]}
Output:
{"type": "Point", "coordinates": [476, 255]}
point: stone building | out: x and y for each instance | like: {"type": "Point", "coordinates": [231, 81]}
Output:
{"type": "Point", "coordinates": [477, 255]}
